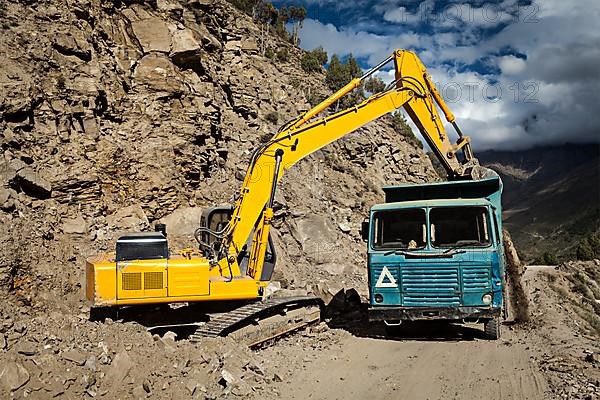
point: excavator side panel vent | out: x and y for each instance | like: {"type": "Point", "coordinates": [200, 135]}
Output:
{"type": "Point", "coordinates": [132, 280]}
{"type": "Point", "coordinates": [153, 280]}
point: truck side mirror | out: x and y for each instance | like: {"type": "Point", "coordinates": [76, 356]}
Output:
{"type": "Point", "coordinates": [364, 230]}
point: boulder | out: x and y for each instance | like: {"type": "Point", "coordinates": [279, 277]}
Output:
{"type": "Point", "coordinates": [344, 227]}
{"type": "Point", "coordinates": [13, 376]}
{"type": "Point", "coordinates": [334, 268]}
{"type": "Point", "coordinates": [27, 348]}
{"type": "Point", "coordinates": [75, 356]}
{"type": "Point", "coordinates": [249, 45]}
{"type": "Point", "coordinates": [152, 34]}
{"type": "Point", "coordinates": [71, 44]}
{"type": "Point", "coordinates": [75, 226]}
{"type": "Point", "coordinates": [130, 218]}
{"type": "Point", "coordinates": [185, 49]}
{"type": "Point", "coordinates": [4, 195]}
{"type": "Point", "coordinates": [183, 221]}
{"type": "Point", "coordinates": [328, 290]}
{"type": "Point", "coordinates": [156, 72]}
{"type": "Point", "coordinates": [33, 184]}
{"type": "Point", "coordinates": [172, 8]}
{"type": "Point", "coordinates": [119, 369]}
{"type": "Point", "coordinates": [317, 238]}
{"type": "Point", "coordinates": [7, 172]}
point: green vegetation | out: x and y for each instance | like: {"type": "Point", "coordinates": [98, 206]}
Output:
{"type": "Point", "coordinates": [403, 129]}
{"type": "Point", "coordinates": [282, 54]}
{"type": "Point", "coordinates": [339, 74]}
{"type": "Point", "coordinates": [589, 247]}
{"type": "Point", "coordinates": [314, 60]}
{"type": "Point", "coordinates": [374, 85]}
{"type": "Point", "coordinates": [273, 18]}
{"type": "Point", "coordinates": [270, 53]}
{"type": "Point", "coordinates": [547, 258]}
{"type": "Point", "coordinates": [296, 17]}
{"type": "Point", "coordinates": [314, 98]}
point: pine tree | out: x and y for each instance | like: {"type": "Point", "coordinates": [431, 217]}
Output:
{"type": "Point", "coordinates": [336, 74]}
{"type": "Point", "coordinates": [297, 16]}
{"type": "Point", "coordinates": [374, 85]}
{"type": "Point", "coordinates": [312, 61]}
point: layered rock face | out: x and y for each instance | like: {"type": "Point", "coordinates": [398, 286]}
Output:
{"type": "Point", "coordinates": [117, 114]}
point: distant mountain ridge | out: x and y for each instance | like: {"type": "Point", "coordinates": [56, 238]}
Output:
{"type": "Point", "coordinates": [551, 195]}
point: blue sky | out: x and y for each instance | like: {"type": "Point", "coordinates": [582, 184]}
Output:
{"type": "Point", "coordinates": [516, 73]}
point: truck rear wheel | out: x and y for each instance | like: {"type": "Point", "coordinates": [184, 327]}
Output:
{"type": "Point", "coordinates": [492, 328]}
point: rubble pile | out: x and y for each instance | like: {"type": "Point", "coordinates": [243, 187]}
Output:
{"type": "Point", "coordinates": [115, 115]}
{"type": "Point", "coordinates": [63, 354]}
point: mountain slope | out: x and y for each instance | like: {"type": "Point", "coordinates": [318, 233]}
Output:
{"type": "Point", "coordinates": [551, 195]}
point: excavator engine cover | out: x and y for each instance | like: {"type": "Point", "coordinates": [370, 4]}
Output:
{"type": "Point", "coordinates": [142, 246]}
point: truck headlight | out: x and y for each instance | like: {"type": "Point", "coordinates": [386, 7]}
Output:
{"type": "Point", "coordinates": [378, 298]}
{"type": "Point", "coordinates": [487, 298]}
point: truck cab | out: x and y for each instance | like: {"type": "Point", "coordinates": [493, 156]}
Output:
{"type": "Point", "coordinates": [435, 252]}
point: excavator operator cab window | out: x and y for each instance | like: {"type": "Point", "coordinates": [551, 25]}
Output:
{"type": "Point", "coordinates": [215, 219]}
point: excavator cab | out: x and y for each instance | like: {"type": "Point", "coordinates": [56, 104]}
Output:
{"type": "Point", "coordinates": [216, 219]}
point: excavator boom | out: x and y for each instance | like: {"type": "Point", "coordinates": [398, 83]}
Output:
{"type": "Point", "coordinates": [412, 89]}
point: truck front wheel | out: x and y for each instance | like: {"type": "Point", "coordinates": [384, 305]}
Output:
{"type": "Point", "coordinates": [492, 329]}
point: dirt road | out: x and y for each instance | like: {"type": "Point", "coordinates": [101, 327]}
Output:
{"type": "Point", "coordinates": [451, 363]}
{"type": "Point", "coordinates": [418, 361]}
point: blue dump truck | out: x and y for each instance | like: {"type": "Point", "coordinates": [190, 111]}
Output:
{"type": "Point", "coordinates": [435, 252]}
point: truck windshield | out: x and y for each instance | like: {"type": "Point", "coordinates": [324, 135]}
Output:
{"type": "Point", "coordinates": [459, 226]}
{"type": "Point", "coordinates": [400, 229]}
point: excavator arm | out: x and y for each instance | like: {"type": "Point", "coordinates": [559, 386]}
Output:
{"type": "Point", "coordinates": [412, 89]}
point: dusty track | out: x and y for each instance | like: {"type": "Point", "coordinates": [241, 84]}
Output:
{"type": "Point", "coordinates": [418, 361]}
{"type": "Point", "coordinates": [459, 366]}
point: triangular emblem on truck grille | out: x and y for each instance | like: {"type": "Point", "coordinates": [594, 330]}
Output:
{"type": "Point", "coordinates": [386, 274]}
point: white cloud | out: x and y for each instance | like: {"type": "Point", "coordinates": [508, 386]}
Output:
{"type": "Point", "coordinates": [511, 65]}
{"type": "Point", "coordinates": [547, 93]}
{"type": "Point", "coordinates": [487, 15]}
{"type": "Point", "coordinates": [359, 43]}
{"type": "Point", "coordinates": [401, 15]}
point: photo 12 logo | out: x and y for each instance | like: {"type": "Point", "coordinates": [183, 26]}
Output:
{"type": "Point", "coordinates": [518, 92]}
{"type": "Point", "coordinates": [487, 14]}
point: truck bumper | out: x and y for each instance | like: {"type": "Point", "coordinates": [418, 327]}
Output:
{"type": "Point", "coordinates": [431, 313]}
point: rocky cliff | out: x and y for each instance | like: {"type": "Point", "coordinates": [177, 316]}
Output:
{"type": "Point", "coordinates": [118, 114]}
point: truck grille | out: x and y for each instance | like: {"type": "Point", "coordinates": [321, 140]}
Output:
{"type": "Point", "coordinates": [475, 278]}
{"type": "Point", "coordinates": [430, 286]}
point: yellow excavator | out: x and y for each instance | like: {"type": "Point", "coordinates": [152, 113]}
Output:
{"type": "Point", "coordinates": [235, 258]}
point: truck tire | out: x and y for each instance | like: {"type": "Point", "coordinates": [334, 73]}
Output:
{"type": "Point", "coordinates": [492, 328]}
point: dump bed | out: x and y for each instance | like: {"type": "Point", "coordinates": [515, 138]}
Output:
{"type": "Point", "coordinates": [489, 188]}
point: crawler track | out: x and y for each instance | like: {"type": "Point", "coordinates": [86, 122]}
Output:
{"type": "Point", "coordinates": [262, 321]}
